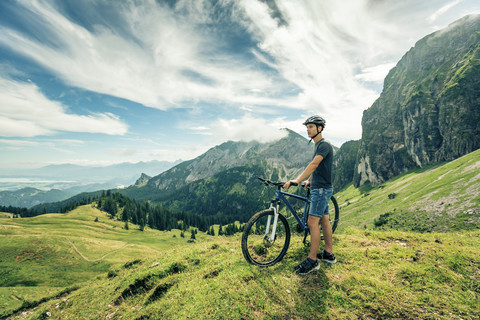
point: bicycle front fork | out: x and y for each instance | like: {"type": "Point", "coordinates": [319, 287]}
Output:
{"type": "Point", "coordinates": [271, 237]}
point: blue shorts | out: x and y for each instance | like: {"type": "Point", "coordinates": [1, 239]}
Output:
{"type": "Point", "coordinates": [319, 201]}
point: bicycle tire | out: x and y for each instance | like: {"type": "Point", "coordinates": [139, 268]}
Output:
{"type": "Point", "coordinates": [334, 222]}
{"type": "Point", "coordinates": [260, 251]}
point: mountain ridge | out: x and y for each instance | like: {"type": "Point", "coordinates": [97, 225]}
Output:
{"type": "Point", "coordinates": [234, 154]}
{"type": "Point", "coordinates": [216, 182]}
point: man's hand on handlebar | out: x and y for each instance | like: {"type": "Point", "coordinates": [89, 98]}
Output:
{"type": "Point", "coordinates": [306, 184]}
{"type": "Point", "coordinates": [290, 183]}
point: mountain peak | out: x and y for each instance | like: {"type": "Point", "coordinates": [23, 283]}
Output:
{"type": "Point", "coordinates": [143, 180]}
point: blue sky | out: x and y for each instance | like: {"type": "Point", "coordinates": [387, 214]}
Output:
{"type": "Point", "coordinates": [101, 81]}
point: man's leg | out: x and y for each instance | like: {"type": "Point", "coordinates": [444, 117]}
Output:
{"type": "Point", "coordinates": [327, 233]}
{"type": "Point", "coordinates": [315, 236]}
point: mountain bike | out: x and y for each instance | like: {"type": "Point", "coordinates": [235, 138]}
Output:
{"type": "Point", "coordinates": [266, 236]}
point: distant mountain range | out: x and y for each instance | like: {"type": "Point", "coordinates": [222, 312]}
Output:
{"type": "Point", "coordinates": [27, 188]}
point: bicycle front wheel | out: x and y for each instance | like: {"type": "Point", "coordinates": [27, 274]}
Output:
{"type": "Point", "coordinates": [264, 243]}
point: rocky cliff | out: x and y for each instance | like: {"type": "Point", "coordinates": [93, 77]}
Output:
{"type": "Point", "coordinates": [429, 110]}
{"type": "Point", "coordinates": [344, 164]}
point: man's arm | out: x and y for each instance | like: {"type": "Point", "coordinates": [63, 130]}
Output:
{"type": "Point", "coordinates": [307, 172]}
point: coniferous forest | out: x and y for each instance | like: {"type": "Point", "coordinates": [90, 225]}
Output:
{"type": "Point", "coordinates": [141, 213]}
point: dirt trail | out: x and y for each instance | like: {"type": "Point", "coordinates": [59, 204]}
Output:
{"type": "Point", "coordinates": [94, 260]}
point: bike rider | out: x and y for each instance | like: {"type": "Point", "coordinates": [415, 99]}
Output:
{"type": "Point", "coordinates": [319, 174]}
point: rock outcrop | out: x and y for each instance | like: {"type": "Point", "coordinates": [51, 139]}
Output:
{"type": "Point", "coordinates": [143, 180]}
{"type": "Point", "coordinates": [344, 164]}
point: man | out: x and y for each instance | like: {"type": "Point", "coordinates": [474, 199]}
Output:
{"type": "Point", "coordinates": [319, 174]}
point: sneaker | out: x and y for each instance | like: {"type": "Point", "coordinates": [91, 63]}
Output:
{"type": "Point", "coordinates": [327, 257]}
{"type": "Point", "coordinates": [306, 267]}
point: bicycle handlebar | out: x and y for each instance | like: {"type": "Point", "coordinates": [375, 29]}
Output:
{"type": "Point", "coordinates": [275, 183]}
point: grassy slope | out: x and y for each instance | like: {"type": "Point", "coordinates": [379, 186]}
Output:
{"type": "Point", "coordinates": [380, 274]}
{"type": "Point", "coordinates": [443, 197]}
{"type": "Point", "coordinates": [42, 255]}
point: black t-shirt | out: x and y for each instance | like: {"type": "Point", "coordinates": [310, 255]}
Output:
{"type": "Point", "coordinates": [322, 176]}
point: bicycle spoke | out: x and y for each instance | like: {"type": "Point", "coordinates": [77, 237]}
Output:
{"type": "Point", "coordinates": [260, 245]}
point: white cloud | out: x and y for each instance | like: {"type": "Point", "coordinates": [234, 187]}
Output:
{"type": "Point", "coordinates": [375, 73]}
{"type": "Point", "coordinates": [247, 128]}
{"type": "Point", "coordinates": [319, 49]}
{"type": "Point", "coordinates": [442, 10]}
{"type": "Point", "coordinates": [26, 112]}
{"type": "Point", "coordinates": [168, 57]}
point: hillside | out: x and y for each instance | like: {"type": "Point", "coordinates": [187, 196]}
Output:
{"type": "Point", "coordinates": [43, 255]}
{"type": "Point", "coordinates": [29, 197]}
{"type": "Point", "coordinates": [441, 197]}
{"type": "Point", "coordinates": [379, 275]}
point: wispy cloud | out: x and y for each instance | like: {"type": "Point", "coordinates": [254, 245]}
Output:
{"type": "Point", "coordinates": [376, 73]}
{"type": "Point", "coordinates": [165, 57]}
{"type": "Point", "coordinates": [247, 128]}
{"type": "Point", "coordinates": [26, 112]}
{"type": "Point", "coordinates": [442, 10]}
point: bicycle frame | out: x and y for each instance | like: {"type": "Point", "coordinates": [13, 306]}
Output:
{"type": "Point", "coordinates": [275, 205]}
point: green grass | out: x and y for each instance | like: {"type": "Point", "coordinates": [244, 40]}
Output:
{"type": "Point", "coordinates": [379, 275]}
{"type": "Point", "coordinates": [435, 198]}
{"type": "Point", "coordinates": [43, 255]}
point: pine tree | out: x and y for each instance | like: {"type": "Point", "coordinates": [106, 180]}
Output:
{"type": "Point", "coordinates": [220, 230]}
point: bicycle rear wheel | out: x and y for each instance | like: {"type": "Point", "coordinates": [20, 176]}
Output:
{"type": "Point", "coordinates": [334, 213]}
{"type": "Point", "coordinates": [259, 246]}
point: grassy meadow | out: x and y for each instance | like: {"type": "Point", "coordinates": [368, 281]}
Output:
{"type": "Point", "coordinates": [44, 255]}
{"type": "Point", "coordinates": [379, 275]}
